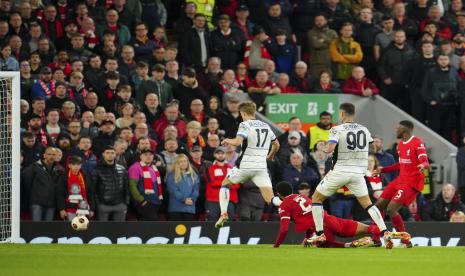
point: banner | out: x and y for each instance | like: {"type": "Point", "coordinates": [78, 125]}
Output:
{"type": "Point", "coordinates": [279, 108]}
{"type": "Point", "coordinates": [250, 233]}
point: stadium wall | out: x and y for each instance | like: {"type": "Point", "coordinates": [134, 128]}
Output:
{"type": "Point", "coordinates": [424, 234]}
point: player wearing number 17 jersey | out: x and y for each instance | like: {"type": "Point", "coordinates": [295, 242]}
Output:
{"type": "Point", "coordinates": [256, 137]}
{"type": "Point", "coordinates": [404, 189]}
{"type": "Point", "coordinates": [350, 144]}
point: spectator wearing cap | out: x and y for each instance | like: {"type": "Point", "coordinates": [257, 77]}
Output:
{"type": "Point", "coordinates": [262, 87]}
{"type": "Point", "coordinates": [183, 186]}
{"type": "Point", "coordinates": [318, 39]}
{"type": "Point", "coordinates": [145, 186]}
{"type": "Point", "coordinates": [188, 90]}
{"type": "Point", "coordinates": [304, 189]}
{"type": "Point", "coordinates": [35, 126]}
{"type": "Point", "coordinates": [226, 43]}
{"type": "Point", "coordinates": [195, 44]}
{"type": "Point", "coordinates": [156, 85]}
{"type": "Point", "coordinates": [291, 146]}
{"type": "Point", "coordinates": [215, 175]}
{"type": "Point", "coordinates": [295, 124]}
{"type": "Point", "coordinates": [242, 24]}
{"type": "Point", "coordinates": [170, 117]}
{"type": "Point", "coordinates": [359, 85]}
{"type": "Point", "coordinates": [112, 25]}
{"type": "Point", "coordinates": [230, 118]}
{"type": "Point", "coordinates": [345, 52]}
{"type": "Point", "coordinates": [44, 87]}
{"type": "Point", "coordinates": [200, 166]}
{"type": "Point", "coordinates": [111, 187]}
{"type": "Point", "coordinates": [256, 52]}
{"type": "Point", "coordinates": [40, 180]}
{"type": "Point", "coordinates": [59, 98]}
{"type": "Point", "coordinates": [75, 193]}
{"type": "Point", "coordinates": [435, 14]}
{"type": "Point", "coordinates": [296, 172]}
{"type": "Point", "coordinates": [53, 27]}
{"type": "Point", "coordinates": [105, 137]}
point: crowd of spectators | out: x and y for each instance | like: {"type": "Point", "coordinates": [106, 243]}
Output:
{"type": "Point", "coordinates": [125, 103]}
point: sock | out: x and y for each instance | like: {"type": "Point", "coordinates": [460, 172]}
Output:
{"type": "Point", "coordinates": [224, 199]}
{"type": "Point", "coordinates": [276, 201]}
{"type": "Point", "coordinates": [398, 223]}
{"type": "Point", "coordinates": [317, 213]}
{"type": "Point", "coordinates": [375, 232]}
{"type": "Point", "coordinates": [376, 217]}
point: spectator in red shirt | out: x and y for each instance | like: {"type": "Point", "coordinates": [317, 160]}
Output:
{"type": "Point", "coordinates": [435, 15]}
{"type": "Point", "coordinates": [261, 87]}
{"type": "Point", "coordinates": [215, 176]}
{"type": "Point", "coordinates": [359, 85]}
{"type": "Point", "coordinates": [170, 117]}
{"type": "Point", "coordinates": [283, 84]}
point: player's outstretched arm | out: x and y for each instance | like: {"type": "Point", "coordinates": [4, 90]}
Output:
{"type": "Point", "coordinates": [283, 229]}
{"type": "Point", "coordinates": [233, 142]}
{"type": "Point", "coordinates": [274, 149]}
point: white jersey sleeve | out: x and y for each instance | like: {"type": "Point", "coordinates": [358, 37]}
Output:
{"type": "Point", "coordinates": [352, 150]}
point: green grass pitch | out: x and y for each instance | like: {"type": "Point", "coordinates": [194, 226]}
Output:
{"type": "Point", "coordinates": [189, 260]}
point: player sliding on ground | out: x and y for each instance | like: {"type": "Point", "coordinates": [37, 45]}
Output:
{"type": "Point", "coordinates": [298, 208]}
{"type": "Point", "coordinates": [405, 188]}
{"type": "Point", "coordinates": [255, 137]}
{"type": "Point", "coordinates": [350, 144]}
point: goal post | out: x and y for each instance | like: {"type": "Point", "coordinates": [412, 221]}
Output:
{"type": "Point", "coordinates": [10, 154]}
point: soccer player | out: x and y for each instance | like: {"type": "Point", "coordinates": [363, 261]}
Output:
{"type": "Point", "coordinates": [404, 189]}
{"type": "Point", "coordinates": [298, 208]}
{"type": "Point", "coordinates": [350, 143]}
{"type": "Point", "coordinates": [255, 137]}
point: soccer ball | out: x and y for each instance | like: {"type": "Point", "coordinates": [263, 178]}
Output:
{"type": "Point", "coordinates": [80, 223]}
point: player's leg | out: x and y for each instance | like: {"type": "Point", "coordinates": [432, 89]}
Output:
{"type": "Point", "coordinates": [359, 188]}
{"type": "Point", "coordinates": [263, 182]}
{"type": "Point", "coordinates": [326, 188]}
{"type": "Point", "coordinates": [235, 176]}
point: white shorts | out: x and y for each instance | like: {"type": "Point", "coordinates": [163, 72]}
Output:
{"type": "Point", "coordinates": [258, 177]}
{"type": "Point", "coordinates": [334, 180]}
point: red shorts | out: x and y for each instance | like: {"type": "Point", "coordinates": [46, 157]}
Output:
{"type": "Point", "coordinates": [402, 190]}
{"type": "Point", "coordinates": [339, 226]}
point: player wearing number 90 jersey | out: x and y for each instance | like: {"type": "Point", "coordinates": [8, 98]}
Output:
{"type": "Point", "coordinates": [350, 159]}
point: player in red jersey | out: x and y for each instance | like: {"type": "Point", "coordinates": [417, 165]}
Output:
{"type": "Point", "coordinates": [298, 208]}
{"type": "Point", "coordinates": [404, 189]}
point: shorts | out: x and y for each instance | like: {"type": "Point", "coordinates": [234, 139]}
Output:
{"type": "Point", "coordinates": [260, 178]}
{"type": "Point", "coordinates": [402, 190]}
{"type": "Point", "coordinates": [334, 180]}
{"type": "Point", "coordinates": [339, 226]}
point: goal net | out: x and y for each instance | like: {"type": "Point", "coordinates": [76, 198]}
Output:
{"type": "Point", "coordinates": [9, 156]}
